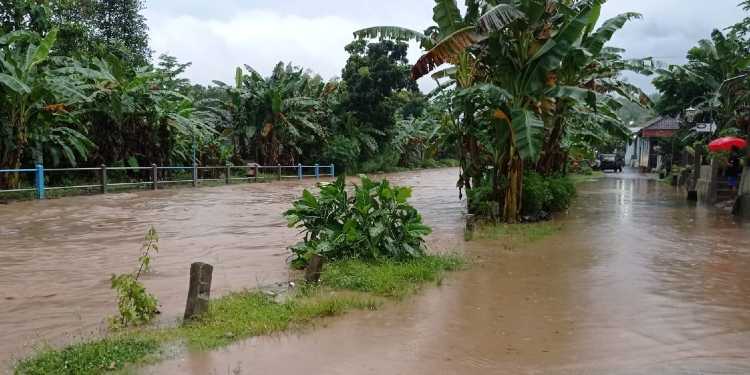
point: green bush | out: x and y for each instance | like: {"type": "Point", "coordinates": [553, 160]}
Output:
{"type": "Point", "coordinates": [562, 190]}
{"type": "Point", "coordinates": [374, 222]}
{"type": "Point", "coordinates": [550, 194]}
{"type": "Point", "coordinates": [536, 194]}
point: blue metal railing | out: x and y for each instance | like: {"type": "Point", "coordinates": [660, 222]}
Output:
{"type": "Point", "coordinates": [252, 173]}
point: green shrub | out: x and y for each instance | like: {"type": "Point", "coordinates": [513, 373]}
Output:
{"type": "Point", "coordinates": [550, 194]}
{"type": "Point", "coordinates": [375, 222]}
{"type": "Point", "coordinates": [562, 189]}
{"type": "Point", "coordinates": [536, 194]}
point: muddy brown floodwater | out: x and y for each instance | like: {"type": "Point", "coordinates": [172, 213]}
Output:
{"type": "Point", "coordinates": [56, 256]}
{"type": "Point", "coordinates": [638, 282]}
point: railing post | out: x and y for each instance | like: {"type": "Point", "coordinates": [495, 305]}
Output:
{"type": "Point", "coordinates": [317, 172]}
{"type": "Point", "coordinates": [299, 171]}
{"type": "Point", "coordinates": [278, 172]}
{"type": "Point", "coordinates": [39, 181]}
{"type": "Point", "coordinates": [155, 176]}
{"type": "Point", "coordinates": [195, 175]}
{"type": "Point", "coordinates": [333, 170]}
{"type": "Point", "coordinates": [103, 179]}
{"type": "Point", "coordinates": [228, 175]}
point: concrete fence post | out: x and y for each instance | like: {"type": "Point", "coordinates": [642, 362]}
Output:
{"type": "Point", "coordinates": [195, 175]}
{"type": "Point", "coordinates": [39, 181]}
{"type": "Point", "coordinates": [314, 269]}
{"type": "Point", "coordinates": [228, 175]}
{"type": "Point", "coordinates": [317, 172]}
{"type": "Point", "coordinates": [278, 172]}
{"type": "Point", "coordinates": [103, 179]}
{"type": "Point", "coordinates": [333, 170]}
{"type": "Point", "coordinates": [154, 176]}
{"type": "Point", "coordinates": [299, 171]}
{"type": "Point", "coordinates": [199, 291]}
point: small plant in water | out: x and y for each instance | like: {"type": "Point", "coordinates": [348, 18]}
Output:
{"type": "Point", "coordinates": [135, 305]}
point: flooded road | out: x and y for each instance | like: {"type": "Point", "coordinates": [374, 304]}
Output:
{"type": "Point", "coordinates": [57, 256]}
{"type": "Point", "coordinates": [638, 282]}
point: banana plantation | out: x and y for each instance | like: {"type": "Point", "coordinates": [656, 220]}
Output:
{"type": "Point", "coordinates": [521, 86]}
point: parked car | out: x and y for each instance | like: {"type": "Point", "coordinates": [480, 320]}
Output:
{"type": "Point", "coordinates": [610, 162]}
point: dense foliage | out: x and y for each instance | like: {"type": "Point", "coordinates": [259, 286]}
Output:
{"type": "Point", "coordinates": [372, 222]}
{"type": "Point", "coordinates": [528, 80]}
{"type": "Point", "coordinates": [89, 93]}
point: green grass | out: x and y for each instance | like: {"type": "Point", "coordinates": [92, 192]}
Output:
{"type": "Point", "coordinates": [389, 279]}
{"type": "Point", "coordinates": [345, 286]}
{"type": "Point", "coordinates": [517, 233]}
{"type": "Point", "coordinates": [90, 358]}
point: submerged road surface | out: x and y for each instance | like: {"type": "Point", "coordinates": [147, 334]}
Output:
{"type": "Point", "coordinates": [57, 256]}
{"type": "Point", "coordinates": [638, 282]}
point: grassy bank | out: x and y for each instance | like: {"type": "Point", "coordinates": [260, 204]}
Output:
{"type": "Point", "coordinates": [344, 286]}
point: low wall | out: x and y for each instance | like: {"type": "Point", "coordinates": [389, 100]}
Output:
{"type": "Point", "coordinates": [742, 206]}
{"type": "Point", "coordinates": [707, 183]}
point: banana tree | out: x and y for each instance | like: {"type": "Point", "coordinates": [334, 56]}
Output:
{"type": "Point", "coordinates": [517, 47]}
{"type": "Point", "coordinates": [24, 91]}
{"type": "Point", "coordinates": [590, 75]}
{"type": "Point", "coordinates": [278, 114]}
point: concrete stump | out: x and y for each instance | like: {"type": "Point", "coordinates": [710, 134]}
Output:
{"type": "Point", "coordinates": [314, 269]}
{"type": "Point", "coordinates": [199, 291]}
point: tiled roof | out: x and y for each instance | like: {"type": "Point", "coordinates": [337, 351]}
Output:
{"type": "Point", "coordinates": [663, 123]}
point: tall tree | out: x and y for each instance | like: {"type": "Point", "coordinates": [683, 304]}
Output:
{"type": "Point", "coordinates": [121, 28]}
{"type": "Point", "coordinates": [373, 73]}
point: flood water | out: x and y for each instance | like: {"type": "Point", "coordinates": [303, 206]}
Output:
{"type": "Point", "coordinates": [57, 256]}
{"type": "Point", "coordinates": [638, 282]}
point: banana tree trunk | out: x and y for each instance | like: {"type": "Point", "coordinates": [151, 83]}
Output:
{"type": "Point", "coordinates": [514, 190]}
{"type": "Point", "coordinates": [13, 157]}
{"type": "Point", "coordinates": [553, 158]}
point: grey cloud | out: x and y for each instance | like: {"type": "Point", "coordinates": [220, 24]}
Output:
{"type": "Point", "coordinates": [668, 30]}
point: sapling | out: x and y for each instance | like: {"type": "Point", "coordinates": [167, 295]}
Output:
{"type": "Point", "coordinates": [135, 305]}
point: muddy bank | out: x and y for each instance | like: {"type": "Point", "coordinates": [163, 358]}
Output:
{"type": "Point", "coordinates": [638, 282]}
{"type": "Point", "coordinates": [57, 256]}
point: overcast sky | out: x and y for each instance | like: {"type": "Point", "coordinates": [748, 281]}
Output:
{"type": "Point", "coordinates": [219, 35]}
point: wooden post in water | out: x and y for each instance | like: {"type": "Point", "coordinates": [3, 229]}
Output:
{"type": "Point", "coordinates": [155, 176]}
{"type": "Point", "coordinates": [199, 291]}
{"type": "Point", "coordinates": [103, 179]}
{"type": "Point", "coordinates": [314, 269]}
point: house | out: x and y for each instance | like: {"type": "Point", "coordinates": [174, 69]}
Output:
{"type": "Point", "coordinates": [643, 151]}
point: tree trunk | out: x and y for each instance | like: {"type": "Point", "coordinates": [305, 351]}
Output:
{"type": "Point", "coordinates": [514, 190]}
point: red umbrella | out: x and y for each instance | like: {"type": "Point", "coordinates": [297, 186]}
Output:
{"type": "Point", "coordinates": [726, 144]}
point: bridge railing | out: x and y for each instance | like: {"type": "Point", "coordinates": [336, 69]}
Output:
{"type": "Point", "coordinates": [103, 178]}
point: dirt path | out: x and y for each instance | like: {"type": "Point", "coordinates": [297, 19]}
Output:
{"type": "Point", "coordinates": [638, 282]}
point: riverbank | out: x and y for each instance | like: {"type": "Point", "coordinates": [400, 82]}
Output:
{"type": "Point", "coordinates": [344, 286]}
